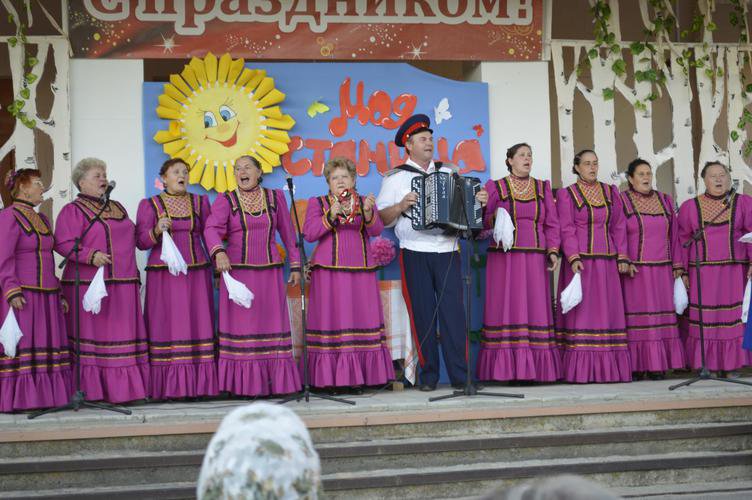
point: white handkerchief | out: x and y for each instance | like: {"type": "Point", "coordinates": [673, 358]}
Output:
{"type": "Point", "coordinates": [503, 229]}
{"type": "Point", "coordinates": [681, 301]}
{"type": "Point", "coordinates": [10, 334]}
{"type": "Point", "coordinates": [92, 300]}
{"type": "Point", "coordinates": [745, 302]}
{"type": "Point", "coordinates": [747, 238]}
{"type": "Point", "coordinates": [171, 256]}
{"type": "Point", "coordinates": [238, 292]}
{"type": "Point", "coordinates": [572, 294]}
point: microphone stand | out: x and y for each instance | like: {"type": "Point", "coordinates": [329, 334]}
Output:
{"type": "Point", "coordinates": [78, 399]}
{"type": "Point", "coordinates": [703, 373]}
{"type": "Point", "coordinates": [470, 389]}
{"type": "Point", "coordinates": [306, 392]}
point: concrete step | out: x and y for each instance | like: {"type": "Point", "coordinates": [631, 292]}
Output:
{"type": "Point", "coordinates": [475, 479]}
{"type": "Point", "coordinates": [344, 457]}
{"type": "Point", "coordinates": [107, 436]}
{"type": "Point", "coordinates": [689, 491]}
{"type": "Point", "coordinates": [144, 467]}
{"type": "Point", "coordinates": [165, 491]}
{"type": "Point", "coordinates": [640, 475]}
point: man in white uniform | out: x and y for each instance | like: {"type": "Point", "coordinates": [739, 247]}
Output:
{"type": "Point", "coordinates": [429, 260]}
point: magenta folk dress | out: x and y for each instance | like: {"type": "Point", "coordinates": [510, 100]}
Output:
{"type": "Point", "coordinates": [39, 376]}
{"type": "Point", "coordinates": [724, 266]}
{"type": "Point", "coordinates": [179, 310]}
{"type": "Point", "coordinates": [518, 340]}
{"type": "Point", "coordinates": [114, 352]}
{"type": "Point", "coordinates": [653, 248]}
{"type": "Point", "coordinates": [255, 345]}
{"type": "Point", "coordinates": [346, 339]}
{"type": "Point", "coordinates": [593, 335]}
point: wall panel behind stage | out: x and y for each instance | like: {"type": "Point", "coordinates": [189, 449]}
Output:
{"type": "Point", "coordinates": [518, 111]}
{"type": "Point", "coordinates": [106, 123]}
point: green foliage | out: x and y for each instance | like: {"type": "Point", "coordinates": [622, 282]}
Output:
{"type": "Point", "coordinates": [16, 108]}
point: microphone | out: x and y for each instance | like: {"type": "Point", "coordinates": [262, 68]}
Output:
{"type": "Point", "coordinates": [110, 186]}
{"type": "Point", "coordinates": [455, 171]}
{"type": "Point", "coordinates": [729, 195]}
{"type": "Point", "coordinates": [288, 177]}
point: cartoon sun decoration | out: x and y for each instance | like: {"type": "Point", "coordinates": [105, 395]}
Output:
{"type": "Point", "coordinates": [220, 110]}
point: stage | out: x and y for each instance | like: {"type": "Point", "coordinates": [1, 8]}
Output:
{"type": "Point", "coordinates": [640, 439]}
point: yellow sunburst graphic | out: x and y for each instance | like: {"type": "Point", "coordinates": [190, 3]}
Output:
{"type": "Point", "coordinates": [220, 110]}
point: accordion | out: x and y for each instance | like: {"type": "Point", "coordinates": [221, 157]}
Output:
{"type": "Point", "coordinates": [446, 202]}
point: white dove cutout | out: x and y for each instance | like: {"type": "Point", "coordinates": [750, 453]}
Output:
{"type": "Point", "coordinates": [441, 113]}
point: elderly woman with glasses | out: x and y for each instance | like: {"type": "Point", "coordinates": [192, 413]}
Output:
{"type": "Point", "coordinates": [346, 338]}
{"type": "Point", "coordinates": [114, 353]}
{"type": "Point", "coordinates": [38, 376]}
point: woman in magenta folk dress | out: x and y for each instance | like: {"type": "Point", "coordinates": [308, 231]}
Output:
{"type": "Point", "coordinates": [593, 334]}
{"type": "Point", "coordinates": [346, 339]}
{"type": "Point", "coordinates": [518, 340]}
{"type": "Point", "coordinates": [255, 345]}
{"type": "Point", "coordinates": [114, 353]}
{"type": "Point", "coordinates": [39, 375]}
{"type": "Point", "coordinates": [655, 254]}
{"type": "Point", "coordinates": [179, 310]}
{"type": "Point", "coordinates": [725, 217]}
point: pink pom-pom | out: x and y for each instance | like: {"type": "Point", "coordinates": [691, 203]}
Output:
{"type": "Point", "coordinates": [383, 250]}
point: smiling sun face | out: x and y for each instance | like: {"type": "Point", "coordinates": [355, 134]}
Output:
{"type": "Point", "coordinates": [218, 111]}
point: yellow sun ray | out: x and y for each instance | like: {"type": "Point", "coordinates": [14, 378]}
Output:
{"type": "Point", "coordinates": [198, 67]}
{"type": "Point", "coordinates": [172, 91]}
{"type": "Point", "coordinates": [180, 84]}
{"type": "Point", "coordinates": [266, 85]}
{"type": "Point", "coordinates": [207, 180]}
{"type": "Point", "coordinates": [218, 110]}
{"type": "Point", "coordinates": [169, 102]}
{"type": "Point", "coordinates": [190, 77]}
{"type": "Point", "coordinates": [278, 147]}
{"type": "Point", "coordinates": [245, 77]}
{"type": "Point", "coordinates": [223, 68]}
{"type": "Point", "coordinates": [255, 80]}
{"type": "Point", "coordinates": [210, 66]}
{"type": "Point", "coordinates": [272, 98]}
{"type": "Point", "coordinates": [236, 68]}
{"type": "Point", "coordinates": [195, 174]}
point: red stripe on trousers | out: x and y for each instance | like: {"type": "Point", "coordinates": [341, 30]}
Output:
{"type": "Point", "coordinates": [409, 304]}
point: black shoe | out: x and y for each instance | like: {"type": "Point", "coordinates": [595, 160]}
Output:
{"type": "Point", "coordinates": [656, 375]}
{"type": "Point", "coordinates": [356, 390]}
{"type": "Point", "coordinates": [427, 387]}
{"type": "Point", "coordinates": [637, 376]}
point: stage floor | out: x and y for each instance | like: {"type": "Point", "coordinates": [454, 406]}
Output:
{"type": "Point", "coordinates": [387, 407]}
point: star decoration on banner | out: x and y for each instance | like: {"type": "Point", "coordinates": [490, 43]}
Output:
{"type": "Point", "coordinates": [416, 52]}
{"type": "Point", "coordinates": [167, 44]}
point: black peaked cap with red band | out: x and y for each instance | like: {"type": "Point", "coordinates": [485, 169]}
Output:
{"type": "Point", "coordinates": [413, 125]}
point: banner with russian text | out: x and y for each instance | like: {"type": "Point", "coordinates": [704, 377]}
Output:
{"type": "Point", "coordinates": [472, 30]}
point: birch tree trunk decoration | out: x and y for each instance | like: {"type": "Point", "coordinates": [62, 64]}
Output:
{"type": "Point", "coordinates": [737, 101]}
{"type": "Point", "coordinates": [710, 92]}
{"type": "Point", "coordinates": [565, 88]}
{"type": "Point", "coordinates": [57, 124]}
{"type": "Point", "coordinates": [600, 98]}
{"type": "Point", "coordinates": [679, 90]}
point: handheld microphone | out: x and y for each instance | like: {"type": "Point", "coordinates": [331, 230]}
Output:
{"type": "Point", "coordinates": [110, 186]}
{"type": "Point", "coordinates": [729, 195]}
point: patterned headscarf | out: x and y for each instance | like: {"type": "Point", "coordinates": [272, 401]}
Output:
{"type": "Point", "coordinates": [260, 451]}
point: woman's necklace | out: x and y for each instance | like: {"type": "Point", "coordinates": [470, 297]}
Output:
{"type": "Point", "coordinates": [519, 192]}
{"type": "Point", "coordinates": [253, 202]}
